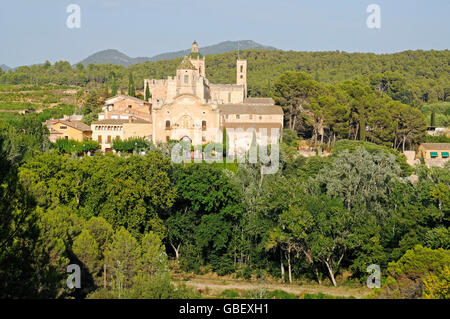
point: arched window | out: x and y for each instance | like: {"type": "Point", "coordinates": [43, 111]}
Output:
{"type": "Point", "coordinates": [167, 125]}
{"type": "Point", "coordinates": [203, 125]}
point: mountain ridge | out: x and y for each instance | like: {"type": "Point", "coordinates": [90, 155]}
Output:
{"type": "Point", "coordinates": [113, 56]}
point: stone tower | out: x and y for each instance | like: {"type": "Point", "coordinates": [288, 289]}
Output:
{"type": "Point", "coordinates": [241, 74]}
{"type": "Point", "coordinates": [197, 59]}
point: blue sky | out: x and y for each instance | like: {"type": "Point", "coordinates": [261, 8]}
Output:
{"type": "Point", "coordinates": [35, 31]}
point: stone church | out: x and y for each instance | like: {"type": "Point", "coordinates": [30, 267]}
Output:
{"type": "Point", "coordinates": [187, 106]}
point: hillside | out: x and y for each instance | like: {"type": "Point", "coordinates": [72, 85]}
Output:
{"type": "Point", "coordinates": [116, 57]}
{"type": "Point", "coordinates": [412, 77]}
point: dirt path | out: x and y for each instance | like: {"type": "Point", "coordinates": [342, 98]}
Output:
{"type": "Point", "coordinates": [216, 286]}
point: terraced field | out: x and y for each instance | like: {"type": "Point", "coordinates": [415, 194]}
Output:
{"type": "Point", "coordinates": [19, 98]}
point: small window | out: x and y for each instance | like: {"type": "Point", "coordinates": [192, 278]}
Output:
{"type": "Point", "coordinates": [167, 125]}
{"type": "Point", "coordinates": [226, 116]}
{"type": "Point", "coordinates": [203, 125]}
{"type": "Point", "coordinates": [66, 137]}
{"type": "Point", "coordinates": [203, 138]}
{"type": "Point", "coordinates": [186, 79]}
{"type": "Point", "coordinates": [242, 69]}
{"type": "Point", "coordinates": [109, 139]}
{"type": "Point", "coordinates": [242, 76]}
{"type": "Point", "coordinates": [99, 139]}
{"type": "Point", "coordinates": [238, 116]}
{"type": "Point", "coordinates": [62, 127]}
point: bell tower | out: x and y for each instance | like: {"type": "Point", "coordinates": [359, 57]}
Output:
{"type": "Point", "coordinates": [241, 74]}
{"type": "Point", "coordinates": [197, 59]}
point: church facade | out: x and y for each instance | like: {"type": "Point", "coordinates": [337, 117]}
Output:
{"type": "Point", "coordinates": [187, 106]}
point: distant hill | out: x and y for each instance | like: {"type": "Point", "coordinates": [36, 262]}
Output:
{"type": "Point", "coordinates": [4, 67]}
{"type": "Point", "coordinates": [116, 57]}
{"type": "Point", "coordinates": [219, 48]}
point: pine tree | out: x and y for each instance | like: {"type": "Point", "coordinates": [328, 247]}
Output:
{"type": "Point", "coordinates": [131, 89]}
{"type": "Point", "coordinates": [148, 95]}
{"type": "Point", "coordinates": [362, 125]}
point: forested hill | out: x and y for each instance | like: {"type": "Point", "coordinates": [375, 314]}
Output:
{"type": "Point", "coordinates": [119, 58]}
{"type": "Point", "coordinates": [412, 77]}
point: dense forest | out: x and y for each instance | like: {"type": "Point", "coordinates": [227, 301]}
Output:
{"type": "Point", "coordinates": [412, 77]}
{"type": "Point", "coordinates": [130, 220]}
{"type": "Point", "coordinates": [315, 219]}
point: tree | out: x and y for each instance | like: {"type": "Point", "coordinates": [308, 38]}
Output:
{"type": "Point", "coordinates": [131, 88]}
{"type": "Point", "coordinates": [359, 178]}
{"type": "Point", "coordinates": [86, 249]}
{"type": "Point", "coordinates": [437, 286]}
{"type": "Point", "coordinates": [122, 258]}
{"type": "Point", "coordinates": [180, 229]}
{"type": "Point", "coordinates": [148, 95]}
{"type": "Point", "coordinates": [114, 85]}
{"type": "Point", "coordinates": [292, 91]}
{"type": "Point", "coordinates": [408, 274]}
{"type": "Point", "coordinates": [153, 257]}
{"type": "Point", "coordinates": [433, 118]}
{"type": "Point", "coordinates": [332, 235]}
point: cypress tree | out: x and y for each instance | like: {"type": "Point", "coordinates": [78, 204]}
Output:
{"type": "Point", "coordinates": [114, 86]}
{"type": "Point", "coordinates": [131, 89]}
{"type": "Point", "coordinates": [147, 93]}
{"type": "Point", "coordinates": [433, 119]}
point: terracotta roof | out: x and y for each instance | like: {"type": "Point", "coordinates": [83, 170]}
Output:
{"type": "Point", "coordinates": [256, 126]}
{"type": "Point", "coordinates": [120, 121]}
{"type": "Point", "coordinates": [436, 146]}
{"type": "Point", "coordinates": [53, 131]}
{"type": "Point", "coordinates": [120, 97]}
{"type": "Point", "coordinates": [259, 100]}
{"type": "Point", "coordinates": [75, 124]}
{"type": "Point", "coordinates": [250, 109]}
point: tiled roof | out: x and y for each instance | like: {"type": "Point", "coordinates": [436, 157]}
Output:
{"type": "Point", "coordinates": [259, 100]}
{"type": "Point", "coordinates": [120, 121]}
{"type": "Point", "coordinates": [120, 97]}
{"type": "Point", "coordinates": [245, 108]}
{"type": "Point", "coordinates": [75, 124]}
{"type": "Point", "coordinates": [256, 126]}
{"type": "Point", "coordinates": [436, 146]}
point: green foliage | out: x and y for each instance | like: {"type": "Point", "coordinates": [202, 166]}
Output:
{"type": "Point", "coordinates": [131, 144]}
{"type": "Point", "coordinates": [437, 139]}
{"type": "Point", "coordinates": [131, 88]}
{"type": "Point", "coordinates": [112, 187]}
{"type": "Point", "coordinates": [322, 296]}
{"type": "Point", "coordinates": [412, 77]}
{"type": "Point", "coordinates": [72, 146]}
{"type": "Point", "coordinates": [148, 95]}
{"type": "Point", "coordinates": [438, 286]}
{"type": "Point", "coordinates": [122, 258]}
{"type": "Point", "coordinates": [409, 272]}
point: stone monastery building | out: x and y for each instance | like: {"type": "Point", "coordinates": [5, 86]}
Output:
{"type": "Point", "coordinates": [188, 107]}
